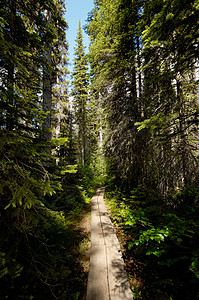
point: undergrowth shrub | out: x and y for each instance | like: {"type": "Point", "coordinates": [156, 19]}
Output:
{"type": "Point", "coordinates": [163, 236]}
{"type": "Point", "coordinates": [42, 261]}
{"type": "Point", "coordinates": [91, 178]}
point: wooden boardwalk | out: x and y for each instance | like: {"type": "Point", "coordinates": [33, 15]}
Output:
{"type": "Point", "coordinates": [107, 278]}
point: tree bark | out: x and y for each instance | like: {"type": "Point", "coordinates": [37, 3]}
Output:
{"type": "Point", "coordinates": [47, 90]}
{"type": "Point", "coordinates": [10, 82]}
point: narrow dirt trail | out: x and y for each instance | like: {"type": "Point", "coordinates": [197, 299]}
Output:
{"type": "Point", "coordinates": [107, 278]}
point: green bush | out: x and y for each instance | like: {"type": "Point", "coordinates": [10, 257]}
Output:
{"type": "Point", "coordinates": [38, 255]}
{"type": "Point", "coordinates": [163, 237]}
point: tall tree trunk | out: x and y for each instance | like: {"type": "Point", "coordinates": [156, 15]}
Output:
{"type": "Point", "coordinates": [10, 82]}
{"type": "Point", "coordinates": [58, 117]}
{"type": "Point", "coordinates": [183, 142]}
{"type": "Point", "coordinates": [139, 78]}
{"type": "Point", "coordinates": [47, 90]}
{"type": "Point", "coordinates": [82, 133]}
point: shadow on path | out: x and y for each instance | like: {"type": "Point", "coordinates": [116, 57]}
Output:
{"type": "Point", "coordinates": [107, 279]}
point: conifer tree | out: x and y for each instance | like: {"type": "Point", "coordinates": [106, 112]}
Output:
{"type": "Point", "coordinates": [23, 38]}
{"type": "Point", "coordinates": [80, 81]}
{"type": "Point", "coordinates": [113, 60]}
{"type": "Point", "coordinates": [24, 181]}
{"type": "Point", "coordinates": [54, 52]}
{"type": "Point", "coordinates": [143, 72]}
{"type": "Point", "coordinates": [169, 69]}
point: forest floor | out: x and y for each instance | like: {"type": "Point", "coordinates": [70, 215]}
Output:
{"type": "Point", "coordinates": [131, 265]}
{"type": "Point", "coordinates": [83, 226]}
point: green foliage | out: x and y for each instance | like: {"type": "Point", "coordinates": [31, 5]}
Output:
{"type": "Point", "coordinates": [163, 239]}
{"type": "Point", "coordinates": [69, 169]}
{"type": "Point", "coordinates": [158, 240]}
{"type": "Point", "coordinates": [92, 177]}
{"type": "Point", "coordinates": [58, 141]}
{"type": "Point", "coordinates": [9, 267]}
{"type": "Point", "coordinates": [136, 293]}
{"type": "Point", "coordinates": [158, 124]}
{"type": "Point", "coordinates": [39, 255]}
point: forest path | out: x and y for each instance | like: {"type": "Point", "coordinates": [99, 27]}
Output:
{"type": "Point", "coordinates": [107, 278]}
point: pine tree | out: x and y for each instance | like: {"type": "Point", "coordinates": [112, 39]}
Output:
{"type": "Point", "coordinates": [143, 73]}
{"type": "Point", "coordinates": [24, 181]}
{"type": "Point", "coordinates": [169, 69]}
{"type": "Point", "coordinates": [54, 51]}
{"type": "Point", "coordinates": [80, 81]}
{"type": "Point", "coordinates": [113, 62]}
{"type": "Point", "coordinates": [23, 39]}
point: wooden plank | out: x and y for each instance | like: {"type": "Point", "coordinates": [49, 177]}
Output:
{"type": "Point", "coordinates": [119, 287]}
{"type": "Point", "coordinates": [107, 279]}
{"type": "Point", "coordinates": [96, 228]}
{"type": "Point", "coordinates": [110, 237]}
{"type": "Point", "coordinates": [102, 206]}
{"type": "Point", "coordinates": [97, 288]}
